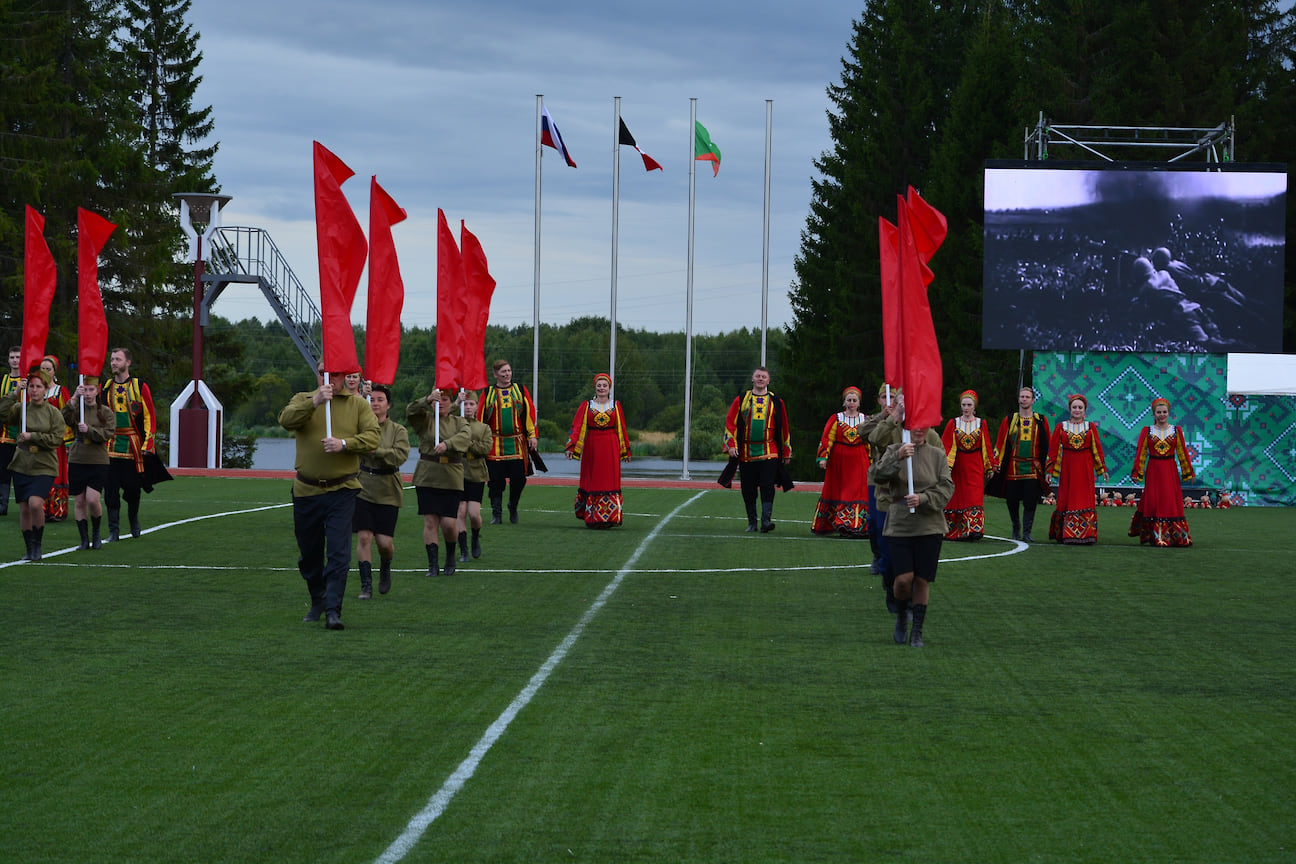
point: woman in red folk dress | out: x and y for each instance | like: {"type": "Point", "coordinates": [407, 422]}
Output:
{"type": "Point", "coordinates": [600, 441]}
{"type": "Point", "coordinates": [1075, 458]}
{"type": "Point", "coordinates": [1160, 463]}
{"type": "Point", "coordinates": [844, 457]}
{"type": "Point", "coordinates": [970, 454]}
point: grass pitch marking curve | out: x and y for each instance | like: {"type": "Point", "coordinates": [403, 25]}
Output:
{"type": "Point", "coordinates": [441, 799]}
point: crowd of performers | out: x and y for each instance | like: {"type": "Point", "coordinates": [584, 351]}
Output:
{"type": "Point", "coordinates": [90, 448]}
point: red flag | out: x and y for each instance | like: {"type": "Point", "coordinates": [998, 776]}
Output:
{"type": "Point", "coordinates": [479, 288]}
{"type": "Point", "coordinates": [624, 137]}
{"type": "Point", "coordinates": [39, 277]}
{"type": "Point", "coordinates": [93, 232]}
{"type": "Point", "coordinates": [386, 289]}
{"type": "Point", "coordinates": [929, 228]}
{"type": "Point", "coordinates": [920, 358]}
{"type": "Point", "coordinates": [342, 250]}
{"type": "Point", "coordinates": [889, 252]}
{"type": "Point", "coordinates": [450, 309]}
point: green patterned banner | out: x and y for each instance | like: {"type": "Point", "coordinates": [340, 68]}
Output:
{"type": "Point", "coordinates": [1243, 446]}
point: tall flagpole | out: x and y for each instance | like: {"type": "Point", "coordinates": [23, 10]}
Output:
{"type": "Point", "coordinates": [535, 317]}
{"type": "Point", "coordinates": [769, 139]}
{"type": "Point", "coordinates": [616, 219]}
{"type": "Point", "coordinates": [688, 306]}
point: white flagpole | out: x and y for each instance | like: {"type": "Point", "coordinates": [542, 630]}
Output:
{"type": "Point", "coordinates": [769, 139]}
{"type": "Point", "coordinates": [688, 306]}
{"type": "Point", "coordinates": [616, 221]}
{"type": "Point", "coordinates": [81, 401]}
{"type": "Point", "coordinates": [535, 319]}
{"type": "Point", "coordinates": [328, 412]}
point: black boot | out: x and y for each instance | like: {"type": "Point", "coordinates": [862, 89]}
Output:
{"type": "Point", "coordinates": [366, 580]}
{"type": "Point", "coordinates": [1028, 521]}
{"type": "Point", "coordinates": [1016, 523]}
{"type": "Point", "coordinates": [767, 516]}
{"type": "Point", "coordinates": [751, 516]}
{"type": "Point", "coordinates": [476, 542]}
{"type": "Point", "coordinates": [37, 535]}
{"type": "Point", "coordinates": [384, 575]}
{"type": "Point", "coordinates": [114, 522]}
{"type": "Point", "coordinates": [4, 500]}
{"type": "Point", "coordinates": [433, 556]}
{"type": "Point", "coordinates": [497, 510]}
{"type": "Point", "coordinates": [449, 568]}
{"type": "Point", "coordinates": [463, 545]}
{"type": "Point", "coordinates": [83, 528]}
{"type": "Point", "coordinates": [133, 516]}
{"type": "Point", "coordinates": [95, 542]}
{"type": "Point", "coordinates": [902, 621]}
{"type": "Point", "coordinates": [27, 543]}
{"type": "Point", "coordinates": [513, 517]}
{"type": "Point", "coordinates": [919, 615]}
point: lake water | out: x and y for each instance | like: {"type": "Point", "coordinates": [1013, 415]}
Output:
{"type": "Point", "coordinates": [277, 454]}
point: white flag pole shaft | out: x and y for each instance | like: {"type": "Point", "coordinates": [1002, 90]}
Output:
{"type": "Point", "coordinates": [328, 412]}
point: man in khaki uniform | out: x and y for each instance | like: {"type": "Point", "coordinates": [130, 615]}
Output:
{"type": "Point", "coordinates": [325, 489]}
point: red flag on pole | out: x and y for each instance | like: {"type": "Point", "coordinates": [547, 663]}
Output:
{"type": "Point", "coordinates": [342, 250]}
{"type": "Point", "coordinates": [889, 252]}
{"type": "Point", "coordinates": [929, 229]}
{"type": "Point", "coordinates": [386, 288]}
{"type": "Point", "coordinates": [479, 288]}
{"type": "Point", "coordinates": [450, 309]}
{"type": "Point", "coordinates": [39, 278]}
{"type": "Point", "coordinates": [93, 232]}
{"type": "Point", "coordinates": [920, 358]}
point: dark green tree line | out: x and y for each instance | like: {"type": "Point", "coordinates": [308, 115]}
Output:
{"type": "Point", "coordinates": [930, 90]}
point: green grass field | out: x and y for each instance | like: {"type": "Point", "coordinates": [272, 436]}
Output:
{"type": "Point", "coordinates": [672, 691]}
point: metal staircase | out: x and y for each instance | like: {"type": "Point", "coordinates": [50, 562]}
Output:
{"type": "Point", "coordinates": [249, 256]}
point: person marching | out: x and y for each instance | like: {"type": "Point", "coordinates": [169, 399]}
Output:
{"type": "Point", "coordinates": [968, 450]}
{"type": "Point", "coordinates": [93, 427]}
{"type": "Point", "coordinates": [35, 460]}
{"type": "Point", "coordinates": [1162, 465]}
{"type": "Point", "coordinates": [439, 477]}
{"type": "Point", "coordinates": [758, 435]}
{"type": "Point", "coordinates": [509, 411]}
{"type": "Point", "coordinates": [475, 476]}
{"type": "Point", "coordinates": [600, 440]}
{"type": "Point", "coordinates": [1021, 452]}
{"type": "Point", "coordinates": [844, 457]}
{"type": "Point", "coordinates": [8, 432]}
{"type": "Point", "coordinates": [381, 494]}
{"type": "Point", "coordinates": [132, 403]}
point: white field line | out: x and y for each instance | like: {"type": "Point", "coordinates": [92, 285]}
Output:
{"type": "Point", "coordinates": [439, 801]}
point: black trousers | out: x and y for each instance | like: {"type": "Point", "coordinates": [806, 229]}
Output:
{"type": "Point", "coordinates": [758, 476]}
{"type": "Point", "coordinates": [506, 472]}
{"type": "Point", "coordinates": [1025, 493]}
{"type": "Point", "coordinates": [322, 524]}
{"type": "Point", "coordinates": [123, 482]}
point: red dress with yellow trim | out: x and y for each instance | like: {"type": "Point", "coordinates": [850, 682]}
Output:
{"type": "Point", "coordinates": [843, 502]}
{"type": "Point", "coordinates": [600, 441]}
{"type": "Point", "coordinates": [1161, 463]}
{"type": "Point", "coordinates": [1075, 458]}
{"type": "Point", "coordinates": [970, 455]}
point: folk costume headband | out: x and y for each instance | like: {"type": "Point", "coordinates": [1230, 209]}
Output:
{"type": "Point", "coordinates": [606, 377]}
{"type": "Point", "coordinates": [1074, 396]}
{"type": "Point", "coordinates": [969, 394]}
{"type": "Point", "coordinates": [852, 389]}
{"type": "Point", "coordinates": [1160, 400]}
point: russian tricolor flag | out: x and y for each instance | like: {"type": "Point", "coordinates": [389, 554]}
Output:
{"type": "Point", "coordinates": [551, 137]}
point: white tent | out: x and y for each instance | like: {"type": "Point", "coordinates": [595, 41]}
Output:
{"type": "Point", "coordinates": [1262, 374]}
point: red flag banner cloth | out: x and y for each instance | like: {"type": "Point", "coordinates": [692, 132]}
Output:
{"type": "Point", "coordinates": [93, 232]}
{"type": "Point", "coordinates": [479, 287]}
{"type": "Point", "coordinates": [889, 252]}
{"type": "Point", "coordinates": [342, 251]}
{"type": "Point", "coordinates": [624, 137]}
{"type": "Point", "coordinates": [551, 137]}
{"type": "Point", "coordinates": [39, 278]}
{"type": "Point", "coordinates": [386, 288]}
{"type": "Point", "coordinates": [450, 309]}
{"type": "Point", "coordinates": [929, 228]}
{"type": "Point", "coordinates": [704, 149]}
{"type": "Point", "coordinates": [920, 360]}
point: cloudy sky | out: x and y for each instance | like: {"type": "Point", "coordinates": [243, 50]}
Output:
{"type": "Point", "coordinates": [439, 101]}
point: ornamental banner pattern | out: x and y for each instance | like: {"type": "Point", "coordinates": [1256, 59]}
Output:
{"type": "Point", "coordinates": [1242, 446]}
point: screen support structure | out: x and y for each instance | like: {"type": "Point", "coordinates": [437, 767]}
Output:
{"type": "Point", "coordinates": [1179, 142]}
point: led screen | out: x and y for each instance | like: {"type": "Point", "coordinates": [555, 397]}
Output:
{"type": "Point", "coordinates": [1134, 257]}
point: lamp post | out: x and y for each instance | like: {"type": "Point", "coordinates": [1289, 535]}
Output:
{"type": "Point", "coordinates": [196, 412]}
